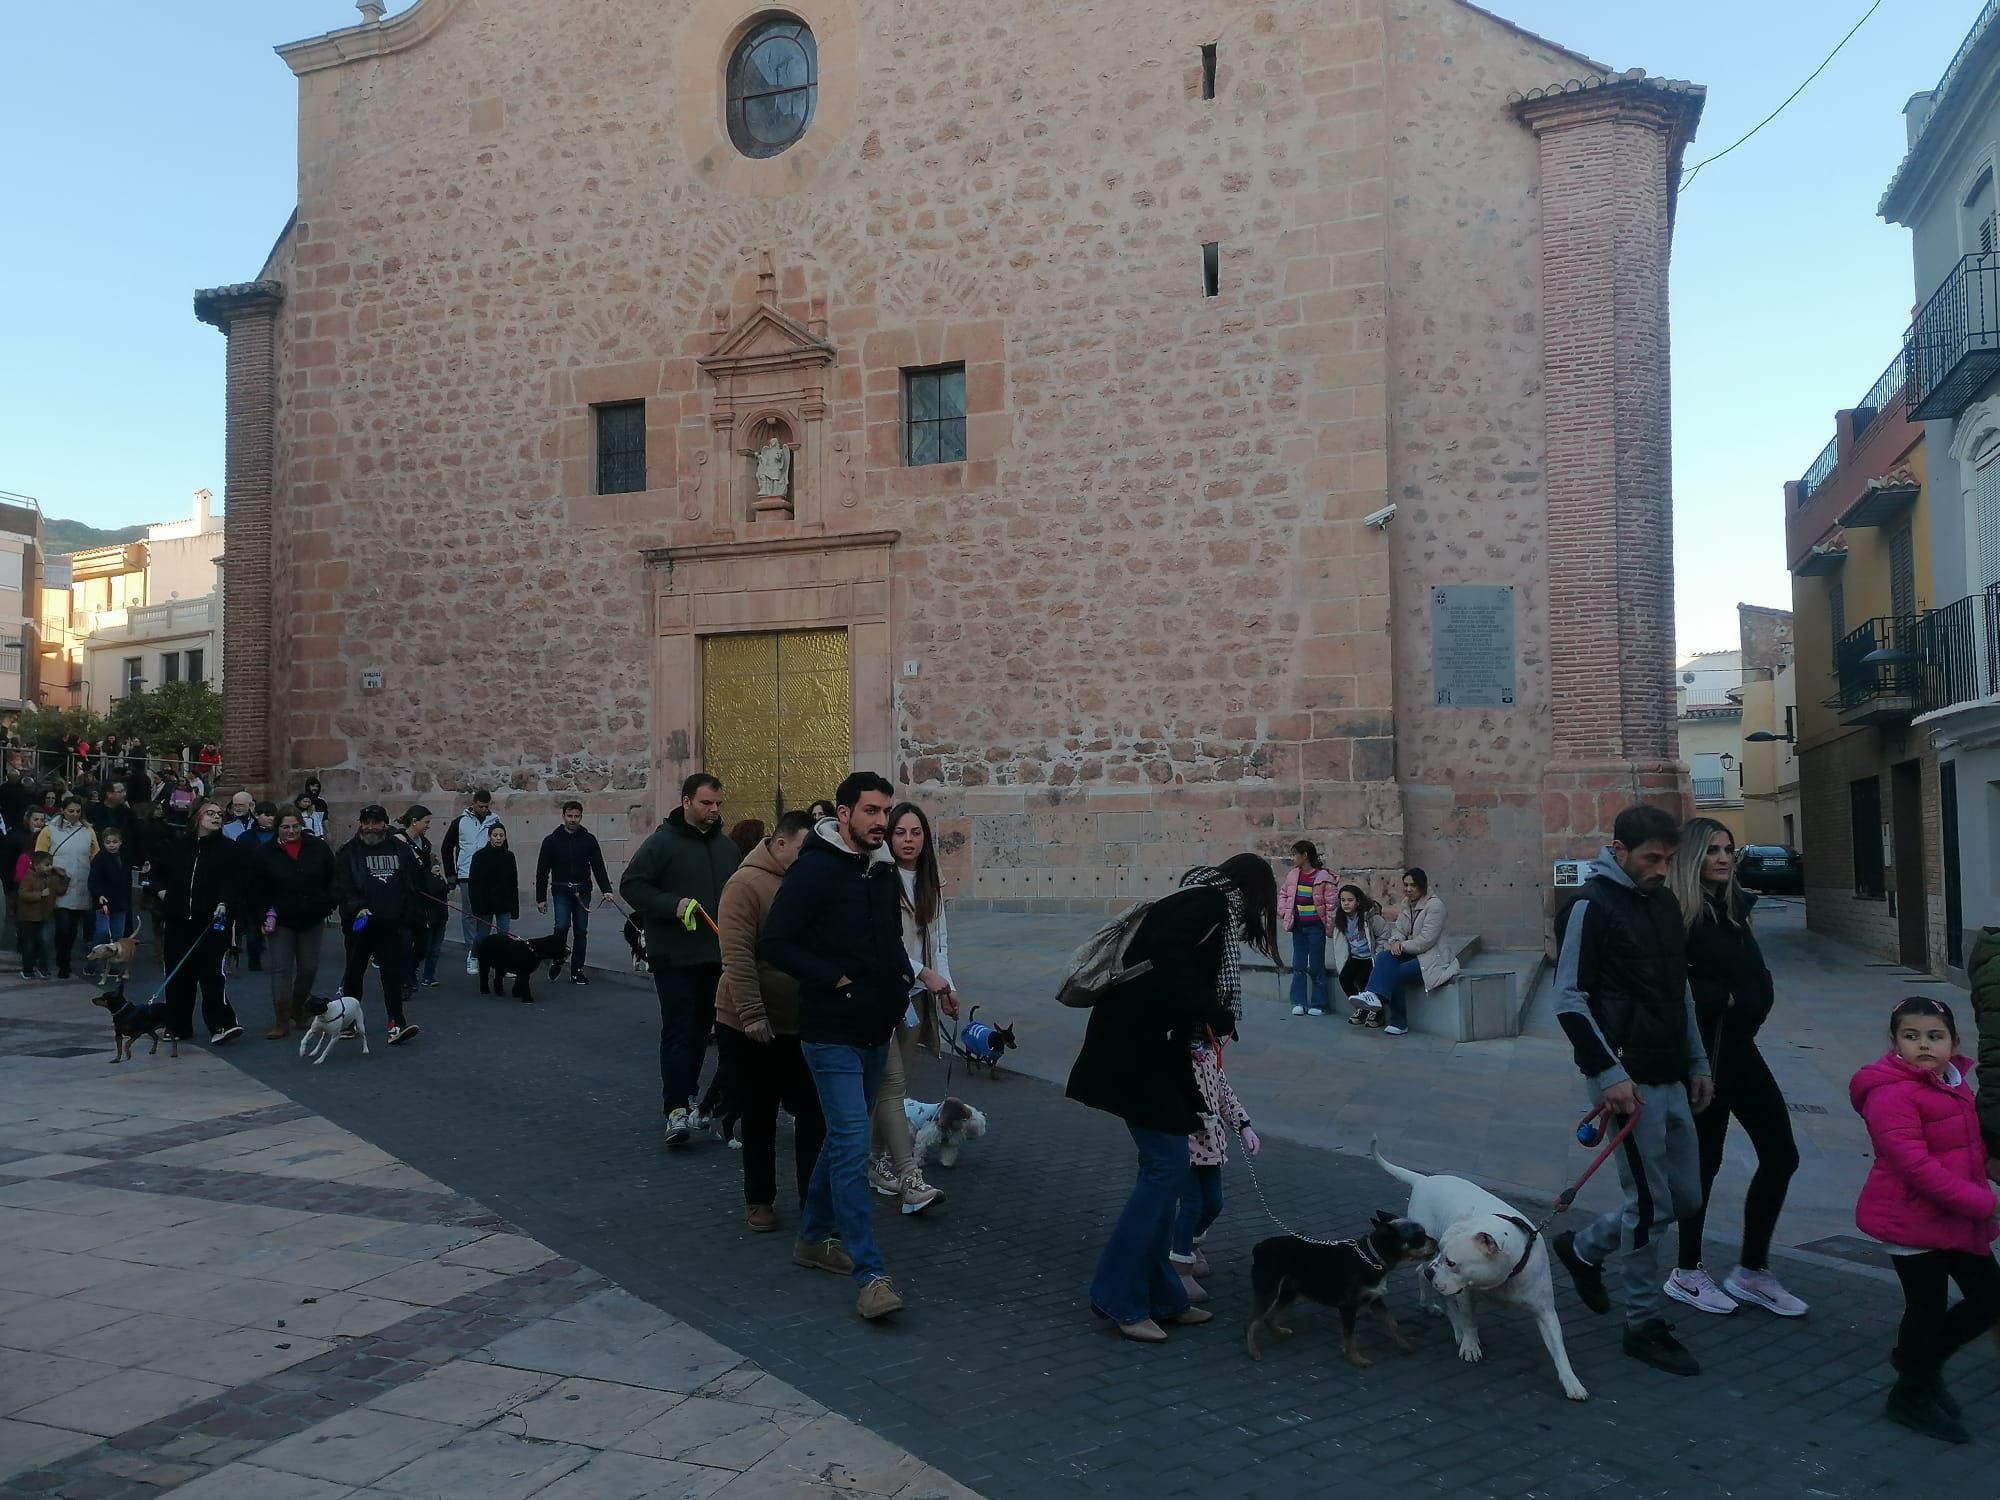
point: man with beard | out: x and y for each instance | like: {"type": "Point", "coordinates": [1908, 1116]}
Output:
{"type": "Point", "coordinates": [379, 879]}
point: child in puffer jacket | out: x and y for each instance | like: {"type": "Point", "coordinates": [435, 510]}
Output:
{"type": "Point", "coordinates": [1208, 1149]}
{"type": "Point", "coordinates": [1929, 1203]}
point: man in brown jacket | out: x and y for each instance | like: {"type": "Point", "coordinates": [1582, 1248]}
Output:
{"type": "Point", "coordinates": [757, 1040]}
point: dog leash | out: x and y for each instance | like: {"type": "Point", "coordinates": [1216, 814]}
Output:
{"type": "Point", "coordinates": [1603, 1111]}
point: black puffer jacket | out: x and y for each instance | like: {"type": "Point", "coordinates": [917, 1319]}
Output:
{"type": "Point", "coordinates": [192, 876]}
{"type": "Point", "coordinates": [1135, 1061]}
{"type": "Point", "coordinates": [299, 890]}
{"type": "Point", "coordinates": [839, 915]}
{"type": "Point", "coordinates": [1725, 965]}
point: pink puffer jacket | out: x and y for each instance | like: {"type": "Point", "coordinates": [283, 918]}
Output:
{"type": "Point", "coordinates": [1928, 1187]}
{"type": "Point", "coordinates": [1326, 896]}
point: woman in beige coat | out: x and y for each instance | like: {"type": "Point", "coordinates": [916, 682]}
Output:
{"type": "Point", "coordinates": [1418, 949]}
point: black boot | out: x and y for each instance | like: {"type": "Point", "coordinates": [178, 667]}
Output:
{"type": "Point", "coordinates": [1914, 1404]}
{"type": "Point", "coordinates": [1654, 1343]}
{"type": "Point", "coordinates": [1939, 1394]}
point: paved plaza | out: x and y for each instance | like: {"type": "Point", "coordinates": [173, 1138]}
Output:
{"type": "Point", "coordinates": [517, 1292]}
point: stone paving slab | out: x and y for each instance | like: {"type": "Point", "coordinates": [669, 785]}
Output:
{"type": "Point", "coordinates": [317, 1319]}
{"type": "Point", "coordinates": [999, 1376]}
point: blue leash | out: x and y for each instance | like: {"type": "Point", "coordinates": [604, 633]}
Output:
{"type": "Point", "coordinates": [169, 979]}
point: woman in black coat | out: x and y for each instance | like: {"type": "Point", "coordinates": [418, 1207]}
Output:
{"type": "Point", "coordinates": [1136, 1064]}
{"type": "Point", "coordinates": [198, 882]}
{"type": "Point", "coordinates": [288, 893]}
{"type": "Point", "coordinates": [1732, 996]}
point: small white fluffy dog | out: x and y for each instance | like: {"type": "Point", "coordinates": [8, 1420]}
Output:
{"type": "Point", "coordinates": [943, 1128]}
{"type": "Point", "coordinates": [330, 1018]}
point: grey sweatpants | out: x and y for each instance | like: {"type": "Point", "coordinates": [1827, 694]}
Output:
{"type": "Point", "coordinates": [1659, 1167]}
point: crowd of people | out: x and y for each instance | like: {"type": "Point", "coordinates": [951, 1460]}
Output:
{"type": "Point", "coordinates": [817, 956]}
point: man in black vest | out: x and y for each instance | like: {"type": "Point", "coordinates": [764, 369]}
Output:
{"type": "Point", "coordinates": [1623, 1001]}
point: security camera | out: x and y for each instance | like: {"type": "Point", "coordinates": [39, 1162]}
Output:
{"type": "Point", "coordinates": [1380, 519]}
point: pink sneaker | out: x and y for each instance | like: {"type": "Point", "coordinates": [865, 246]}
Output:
{"type": "Point", "coordinates": [1697, 1289]}
{"type": "Point", "coordinates": [1762, 1289]}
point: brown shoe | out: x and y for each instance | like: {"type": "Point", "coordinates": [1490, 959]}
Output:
{"type": "Point", "coordinates": [878, 1299]}
{"type": "Point", "coordinates": [761, 1217]}
{"type": "Point", "coordinates": [822, 1255]}
{"type": "Point", "coordinates": [281, 1021]}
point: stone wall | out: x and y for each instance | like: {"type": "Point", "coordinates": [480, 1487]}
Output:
{"type": "Point", "coordinates": [1143, 623]}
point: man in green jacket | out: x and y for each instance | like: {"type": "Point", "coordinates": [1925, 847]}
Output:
{"type": "Point", "coordinates": [676, 877]}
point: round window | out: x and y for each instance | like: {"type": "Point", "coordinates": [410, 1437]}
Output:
{"type": "Point", "coordinates": [773, 85]}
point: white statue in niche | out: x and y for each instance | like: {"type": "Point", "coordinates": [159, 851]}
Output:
{"type": "Point", "coordinates": [774, 469]}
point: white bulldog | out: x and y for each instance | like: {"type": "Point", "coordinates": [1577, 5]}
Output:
{"type": "Point", "coordinates": [1484, 1247]}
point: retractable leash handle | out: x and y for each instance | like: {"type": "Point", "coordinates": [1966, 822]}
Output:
{"type": "Point", "coordinates": [1568, 1194]}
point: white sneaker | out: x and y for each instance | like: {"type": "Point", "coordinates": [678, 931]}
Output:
{"type": "Point", "coordinates": [1697, 1289]}
{"type": "Point", "coordinates": [917, 1194]}
{"type": "Point", "coordinates": [677, 1128]}
{"type": "Point", "coordinates": [1395, 1031]}
{"type": "Point", "coordinates": [1762, 1289]}
{"type": "Point", "coordinates": [471, 962]}
{"type": "Point", "coordinates": [1298, 1010]}
{"type": "Point", "coordinates": [882, 1176]}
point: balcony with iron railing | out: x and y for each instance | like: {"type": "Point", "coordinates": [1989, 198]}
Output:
{"type": "Point", "coordinates": [1887, 387]}
{"type": "Point", "coordinates": [1953, 348]}
{"type": "Point", "coordinates": [1881, 668]}
{"type": "Point", "coordinates": [1963, 652]}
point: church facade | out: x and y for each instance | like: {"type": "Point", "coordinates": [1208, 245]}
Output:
{"type": "Point", "coordinates": [1142, 431]}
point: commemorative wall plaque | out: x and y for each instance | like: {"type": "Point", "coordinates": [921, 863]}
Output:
{"type": "Point", "coordinates": [1472, 645]}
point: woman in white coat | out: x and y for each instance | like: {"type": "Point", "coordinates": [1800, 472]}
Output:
{"type": "Point", "coordinates": [1418, 950]}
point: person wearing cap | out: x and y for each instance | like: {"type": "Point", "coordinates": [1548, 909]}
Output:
{"type": "Point", "coordinates": [379, 879]}
{"type": "Point", "coordinates": [465, 837]}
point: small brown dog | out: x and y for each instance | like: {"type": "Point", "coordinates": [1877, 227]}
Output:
{"type": "Point", "coordinates": [130, 1021]}
{"type": "Point", "coordinates": [114, 960]}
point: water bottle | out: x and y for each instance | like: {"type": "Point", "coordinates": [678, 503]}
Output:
{"type": "Point", "coordinates": [221, 922]}
{"type": "Point", "coordinates": [270, 921]}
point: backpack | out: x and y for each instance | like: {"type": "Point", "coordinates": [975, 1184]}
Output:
{"type": "Point", "coordinates": [1099, 965]}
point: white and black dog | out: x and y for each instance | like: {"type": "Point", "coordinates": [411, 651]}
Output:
{"type": "Point", "coordinates": [635, 939]}
{"type": "Point", "coordinates": [333, 1019]}
{"type": "Point", "coordinates": [1484, 1247]}
{"type": "Point", "coordinates": [943, 1128]}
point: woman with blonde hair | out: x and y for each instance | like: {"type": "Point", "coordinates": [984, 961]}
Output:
{"type": "Point", "coordinates": [1732, 996]}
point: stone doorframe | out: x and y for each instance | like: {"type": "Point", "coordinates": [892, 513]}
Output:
{"type": "Point", "coordinates": [787, 583]}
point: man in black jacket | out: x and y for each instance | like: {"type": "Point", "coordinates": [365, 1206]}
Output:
{"type": "Point", "coordinates": [678, 874]}
{"type": "Point", "coordinates": [570, 860]}
{"type": "Point", "coordinates": [1622, 999]}
{"type": "Point", "coordinates": [836, 927]}
{"type": "Point", "coordinates": [197, 878]}
{"type": "Point", "coordinates": [379, 880]}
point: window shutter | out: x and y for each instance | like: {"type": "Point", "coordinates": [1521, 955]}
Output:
{"type": "Point", "coordinates": [1902, 573]}
{"type": "Point", "coordinates": [1986, 524]}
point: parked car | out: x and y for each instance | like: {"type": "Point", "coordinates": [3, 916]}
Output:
{"type": "Point", "coordinates": [1773, 868]}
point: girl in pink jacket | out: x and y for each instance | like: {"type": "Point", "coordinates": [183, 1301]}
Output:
{"type": "Point", "coordinates": [1928, 1201]}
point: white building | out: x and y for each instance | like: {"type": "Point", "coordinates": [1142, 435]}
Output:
{"type": "Point", "coordinates": [162, 626]}
{"type": "Point", "coordinates": [20, 575]}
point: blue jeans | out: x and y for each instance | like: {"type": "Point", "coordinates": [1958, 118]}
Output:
{"type": "Point", "coordinates": [848, 1079]}
{"type": "Point", "coordinates": [1134, 1279]}
{"type": "Point", "coordinates": [572, 911]}
{"type": "Point", "coordinates": [1201, 1206]}
{"type": "Point", "coordinates": [471, 928]}
{"type": "Point", "coordinates": [426, 942]}
{"type": "Point", "coordinates": [1309, 964]}
{"type": "Point", "coordinates": [1386, 981]}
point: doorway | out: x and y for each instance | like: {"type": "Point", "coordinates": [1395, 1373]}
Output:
{"type": "Point", "coordinates": [1906, 812]}
{"type": "Point", "coordinates": [775, 718]}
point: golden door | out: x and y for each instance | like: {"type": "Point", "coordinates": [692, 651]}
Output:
{"type": "Point", "coordinates": [774, 719]}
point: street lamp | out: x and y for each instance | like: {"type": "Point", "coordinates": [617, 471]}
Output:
{"type": "Point", "coordinates": [1765, 737]}
{"type": "Point", "coordinates": [1728, 761]}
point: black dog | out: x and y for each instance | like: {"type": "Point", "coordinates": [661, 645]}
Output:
{"type": "Point", "coordinates": [980, 1045]}
{"type": "Point", "coordinates": [635, 939]}
{"type": "Point", "coordinates": [130, 1021]}
{"type": "Point", "coordinates": [501, 954]}
{"type": "Point", "coordinates": [1343, 1275]}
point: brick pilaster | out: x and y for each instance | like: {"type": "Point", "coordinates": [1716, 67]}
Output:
{"type": "Point", "coordinates": [1610, 151]}
{"type": "Point", "coordinates": [247, 315]}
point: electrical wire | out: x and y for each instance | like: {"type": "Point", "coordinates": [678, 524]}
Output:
{"type": "Point", "coordinates": [1688, 180]}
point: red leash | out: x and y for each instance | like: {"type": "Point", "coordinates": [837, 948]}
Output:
{"type": "Point", "coordinates": [1603, 1111]}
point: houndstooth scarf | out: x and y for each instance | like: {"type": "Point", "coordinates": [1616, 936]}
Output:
{"type": "Point", "coordinates": [1229, 978]}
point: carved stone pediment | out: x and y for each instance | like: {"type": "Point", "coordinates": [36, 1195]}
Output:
{"type": "Point", "coordinates": [766, 340]}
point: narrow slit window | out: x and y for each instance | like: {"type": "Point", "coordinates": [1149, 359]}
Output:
{"type": "Point", "coordinates": [621, 447]}
{"type": "Point", "coordinates": [1208, 70]}
{"type": "Point", "coordinates": [1211, 269]}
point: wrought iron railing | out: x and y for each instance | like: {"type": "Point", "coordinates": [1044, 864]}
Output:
{"type": "Point", "coordinates": [1964, 651]}
{"type": "Point", "coordinates": [1901, 646]}
{"type": "Point", "coordinates": [1880, 394]}
{"type": "Point", "coordinates": [1953, 347]}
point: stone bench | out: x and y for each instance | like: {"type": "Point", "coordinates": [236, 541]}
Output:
{"type": "Point", "coordinates": [1484, 1003]}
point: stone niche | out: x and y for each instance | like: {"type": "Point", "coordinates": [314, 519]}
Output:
{"type": "Point", "coordinates": [767, 421]}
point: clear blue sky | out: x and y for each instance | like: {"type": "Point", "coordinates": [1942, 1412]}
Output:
{"type": "Point", "coordinates": [153, 153]}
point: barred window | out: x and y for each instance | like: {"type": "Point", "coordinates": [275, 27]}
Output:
{"type": "Point", "coordinates": [934, 415]}
{"type": "Point", "coordinates": [621, 447]}
{"type": "Point", "coordinates": [772, 87]}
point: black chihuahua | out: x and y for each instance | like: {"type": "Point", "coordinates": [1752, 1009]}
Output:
{"type": "Point", "coordinates": [1343, 1275]}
